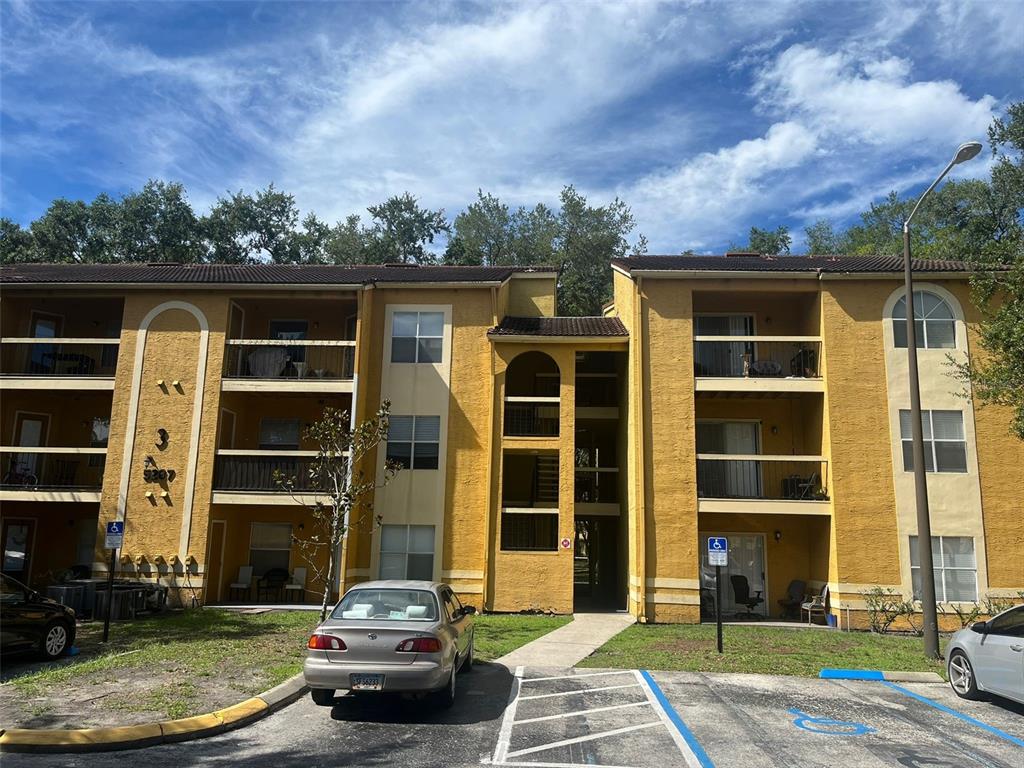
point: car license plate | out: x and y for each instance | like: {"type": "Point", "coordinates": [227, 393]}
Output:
{"type": "Point", "coordinates": [366, 682]}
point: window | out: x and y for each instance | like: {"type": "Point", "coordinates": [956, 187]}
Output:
{"type": "Point", "coordinates": [270, 547]}
{"type": "Point", "coordinates": [414, 441]}
{"type": "Point", "coordinates": [291, 329]}
{"type": "Point", "coordinates": [279, 434]}
{"type": "Point", "coordinates": [934, 324]}
{"type": "Point", "coordinates": [387, 605]}
{"type": "Point", "coordinates": [945, 449]}
{"type": "Point", "coordinates": [416, 337]}
{"type": "Point", "coordinates": [956, 574]}
{"type": "Point", "coordinates": [407, 552]}
{"type": "Point", "coordinates": [1009, 624]}
{"type": "Point", "coordinates": [535, 531]}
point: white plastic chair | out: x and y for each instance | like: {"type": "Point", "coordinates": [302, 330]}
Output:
{"type": "Point", "coordinates": [297, 584]}
{"type": "Point", "coordinates": [244, 582]}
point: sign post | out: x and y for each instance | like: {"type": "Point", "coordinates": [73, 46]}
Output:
{"type": "Point", "coordinates": [114, 540]}
{"type": "Point", "coordinates": [718, 555]}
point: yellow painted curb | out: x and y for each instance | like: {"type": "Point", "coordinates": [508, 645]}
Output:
{"type": "Point", "coordinates": [191, 727]}
{"type": "Point", "coordinates": [82, 737]}
{"type": "Point", "coordinates": [240, 713]}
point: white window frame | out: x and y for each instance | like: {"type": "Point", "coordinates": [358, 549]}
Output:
{"type": "Point", "coordinates": [929, 442]}
{"type": "Point", "coordinates": [939, 568]}
{"type": "Point", "coordinates": [407, 552]}
{"type": "Point", "coordinates": [412, 441]}
{"type": "Point", "coordinates": [418, 336]}
{"type": "Point", "coordinates": [923, 340]}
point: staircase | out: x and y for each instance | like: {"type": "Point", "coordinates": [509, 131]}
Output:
{"type": "Point", "coordinates": [545, 481]}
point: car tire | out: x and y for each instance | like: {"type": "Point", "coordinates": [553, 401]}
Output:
{"type": "Point", "coordinates": [56, 640]}
{"type": "Point", "coordinates": [446, 696]}
{"type": "Point", "coordinates": [322, 697]}
{"type": "Point", "coordinates": [468, 663]}
{"type": "Point", "coordinates": [961, 677]}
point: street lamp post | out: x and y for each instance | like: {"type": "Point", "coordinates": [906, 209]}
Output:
{"type": "Point", "coordinates": [924, 527]}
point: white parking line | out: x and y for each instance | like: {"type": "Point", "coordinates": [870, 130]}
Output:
{"type": "Point", "coordinates": [582, 712]}
{"type": "Point", "coordinates": [505, 734]}
{"type": "Point", "coordinates": [576, 677]}
{"type": "Point", "coordinates": [692, 761]}
{"type": "Point", "coordinates": [581, 739]}
{"type": "Point", "coordinates": [577, 693]}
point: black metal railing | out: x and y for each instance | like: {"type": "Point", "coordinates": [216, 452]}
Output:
{"type": "Point", "coordinates": [597, 392]}
{"type": "Point", "coordinates": [51, 471]}
{"type": "Point", "coordinates": [774, 478]}
{"type": "Point", "coordinates": [597, 487]}
{"type": "Point", "coordinates": [47, 358]}
{"type": "Point", "coordinates": [748, 358]}
{"type": "Point", "coordinates": [295, 361]}
{"type": "Point", "coordinates": [531, 419]}
{"type": "Point", "coordinates": [261, 473]}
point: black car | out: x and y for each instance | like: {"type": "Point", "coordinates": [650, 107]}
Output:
{"type": "Point", "coordinates": [31, 622]}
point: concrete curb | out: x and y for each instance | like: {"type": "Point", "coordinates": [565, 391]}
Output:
{"type": "Point", "coordinates": [148, 734]}
{"type": "Point", "coordinates": [876, 674]}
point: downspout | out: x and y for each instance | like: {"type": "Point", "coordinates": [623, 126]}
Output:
{"type": "Point", "coordinates": [341, 579]}
{"type": "Point", "coordinates": [641, 475]}
{"type": "Point", "coordinates": [488, 530]}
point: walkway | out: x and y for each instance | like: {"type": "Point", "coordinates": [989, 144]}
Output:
{"type": "Point", "coordinates": [570, 644]}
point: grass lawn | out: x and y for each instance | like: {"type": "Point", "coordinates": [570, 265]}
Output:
{"type": "Point", "coordinates": [766, 650]}
{"type": "Point", "coordinates": [498, 634]}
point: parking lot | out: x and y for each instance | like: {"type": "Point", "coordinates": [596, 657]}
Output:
{"type": "Point", "coordinates": [627, 718]}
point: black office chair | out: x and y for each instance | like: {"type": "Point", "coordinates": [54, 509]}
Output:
{"type": "Point", "coordinates": [795, 595]}
{"type": "Point", "coordinates": [741, 594]}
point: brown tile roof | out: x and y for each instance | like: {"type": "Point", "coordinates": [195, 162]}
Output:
{"type": "Point", "coordinates": [824, 264]}
{"type": "Point", "coordinates": [251, 274]}
{"type": "Point", "coordinates": [560, 326]}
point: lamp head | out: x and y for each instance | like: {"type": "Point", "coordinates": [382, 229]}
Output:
{"type": "Point", "coordinates": [966, 151]}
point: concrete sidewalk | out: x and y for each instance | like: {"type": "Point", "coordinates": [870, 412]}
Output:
{"type": "Point", "coordinates": [570, 644]}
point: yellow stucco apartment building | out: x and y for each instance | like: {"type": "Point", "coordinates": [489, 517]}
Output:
{"type": "Point", "coordinates": [551, 462]}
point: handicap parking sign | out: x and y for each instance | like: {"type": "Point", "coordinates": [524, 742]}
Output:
{"type": "Point", "coordinates": [718, 550]}
{"type": "Point", "coordinates": [115, 534]}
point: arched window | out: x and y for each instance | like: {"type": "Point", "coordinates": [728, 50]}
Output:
{"type": "Point", "coordinates": [934, 322]}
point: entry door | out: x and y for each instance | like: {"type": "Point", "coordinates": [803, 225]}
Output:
{"type": "Point", "coordinates": [746, 558]}
{"type": "Point", "coordinates": [18, 536]}
{"type": "Point", "coordinates": [722, 358]}
{"type": "Point", "coordinates": [30, 432]}
{"type": "Point", "coordinates": [44, 327]}
{"type": "Point", "coordinates": [215, 562]}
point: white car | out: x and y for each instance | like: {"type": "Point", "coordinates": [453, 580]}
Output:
{"type": "Point", "coordinates": [988, 657]}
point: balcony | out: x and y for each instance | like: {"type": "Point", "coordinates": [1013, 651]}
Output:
{"type": "Point", "coordinates": [762, 483]}
{"type": "Point", "coordinates": [238, 475]}
{"type": "Point", "coordinates": [531, 416]}
{"type": "Point", "coordinates": [283, 365]}
{"type": "Point", "coordinates": [757, 363]}
{"type": "Point", "coordinates": [58, 363]}
{"type": "Point", "coordinates": [51, 473]}
{"type": "Point", "coordinates": [597, 491]}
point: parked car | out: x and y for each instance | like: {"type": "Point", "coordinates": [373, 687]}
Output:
{"type": "Point", "coordinates": [988, 657]}
{"type": "Point", "coordinates": [31, 622]}
{"type": "Point", "coordinates": [392, 636]}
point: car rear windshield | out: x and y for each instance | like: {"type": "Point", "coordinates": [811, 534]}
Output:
{"type": "Point", "coordinates": [387, 605]}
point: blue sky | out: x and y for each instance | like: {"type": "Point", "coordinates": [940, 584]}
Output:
{"type": "Point", "coordinates": [706, 117]}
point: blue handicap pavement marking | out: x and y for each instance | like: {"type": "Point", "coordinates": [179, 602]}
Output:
{"type": "Point", "coordinates": [851, 674]}
{"type": "Point", "coordinates": [829, 726]}
{"type": "Point", "coordinates": [966, 718]}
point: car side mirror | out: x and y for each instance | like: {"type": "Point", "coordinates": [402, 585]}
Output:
{"type": "Point", "coordinates": [980, 627]}
{"type": "Point", "coordinates": [468, 610]}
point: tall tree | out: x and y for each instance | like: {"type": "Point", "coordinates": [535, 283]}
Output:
{"type": "Point", "coordinates": [243, 228]}
{"type": "Point", "coordinates": [16, 243]}
{"type": "Point", "coordinates": [770, 242]}
{"type": "Point", "coordinates": [822, 238]}
{"type": "Point", "coordinates": [401, 230]}
{"type": "Point", "coordinates": [489, 232]}
{"type": "Point", "coordinates": [155, 224]}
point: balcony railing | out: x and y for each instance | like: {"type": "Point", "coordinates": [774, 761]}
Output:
{"type": "Point", "coordinates": [46, 468]}
{"type": "Point", "coordinates": [58, 357]}
{"type": "Point", "coordinates": [795, 357]}
{"type": "Point", "coordinates": [294, 359]}
{"type": "Point", "coordinates": [597, 390]}
{"type": "Point", "coordinates": [257, 471]}
{"type": "Point", "coordinates": [753, 476]}
{"type": "Point", "coordinates": [597, 485]}
{"type": "Point", "coordinates": [531, 416]}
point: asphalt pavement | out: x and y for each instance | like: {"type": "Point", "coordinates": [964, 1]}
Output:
{"type": "Point", "coordinates": [627, 718]}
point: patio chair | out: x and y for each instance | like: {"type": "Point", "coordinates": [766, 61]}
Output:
{"type": "Point", "coordinates": [796, 593]}
{"type": "Point", "coordinates": [809, 488]}
{"type": "Point", "coordinates": [818, 604]}
{"type": "Point", "coordinates": [272, 581]}
{"type": "Point", "coordinates": [297, 586]}
{"type": "Point", "coordinates": [244, 583]}
{"type": "Point", "coordinates": [741, 594]}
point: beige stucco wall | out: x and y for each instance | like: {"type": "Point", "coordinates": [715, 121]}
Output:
{"type": "Point", "coordinates": [532, 295]}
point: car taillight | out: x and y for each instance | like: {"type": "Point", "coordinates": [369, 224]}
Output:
{"type": "Point", "coordinates": [320, 642]}
{"type": "Point", "coordinates": [419, 645]}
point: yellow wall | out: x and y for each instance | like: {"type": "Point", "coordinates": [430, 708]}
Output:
{"type": "Point", "coordinates": [531, 296]}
